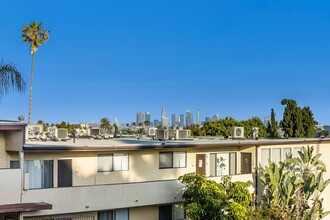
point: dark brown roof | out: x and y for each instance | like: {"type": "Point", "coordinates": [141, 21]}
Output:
{"type": "Point", "coordinates": [24, 207]}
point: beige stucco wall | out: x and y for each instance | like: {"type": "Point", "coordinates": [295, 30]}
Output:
{"type": "Point", "coordinates": [143, 166]}
{"type": "Point", "coordinates": [104, 197]}
{"type": "Point", "coordinates": [14, 140]}
{"type": "Point", "coordinates": [10, 186]}
{"type": "Point", "coordinates": [5, 156]}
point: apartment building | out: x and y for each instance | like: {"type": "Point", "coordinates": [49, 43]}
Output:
{"type": "Point", "coordinates": [122, 178]}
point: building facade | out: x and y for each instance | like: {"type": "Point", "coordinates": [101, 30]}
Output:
{"type": "Point", "coordinates": [123, 178]}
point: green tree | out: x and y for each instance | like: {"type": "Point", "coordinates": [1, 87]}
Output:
{"type": "Point", "coordinates": [250, 124]}
{"type": "Point", "coordinates": [147, 123]}
{"type": "Point", "coordinates": [116, 129]}
{"type": "Point", "coordinates": [106, 125]}
{"type": "Point", "coordinates": [292, 123]}
{"type": "Point", "coordinates": [272, 129]}
{"type": "Point", "coordinates": [308, 122]}
{"type": "Point", "coordinates": [35, 36]}
{"type": "Point", "coordinates": [10, 78]}
{"type": "Point", "coordinates": [222, 127]}
{"type": "Point", "coordinates": [207, 199]}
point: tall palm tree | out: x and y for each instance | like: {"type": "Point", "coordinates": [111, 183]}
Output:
{"type": "Point", "coordinates": [35, 36]}
{"type": "Point", "coordinates": [10, 78]}
{"type": "Point", "coordinates": [106, 125]}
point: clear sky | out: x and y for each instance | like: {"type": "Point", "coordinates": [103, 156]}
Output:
{"type": "Point", "coordinates": [115, 58]}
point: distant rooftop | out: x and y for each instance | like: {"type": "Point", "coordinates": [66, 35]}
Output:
{"type": "Point", "coordinates": [129, 143]}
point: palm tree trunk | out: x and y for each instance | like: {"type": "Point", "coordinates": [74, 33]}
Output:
{"type": "Point", "coordinates": [31, 80]}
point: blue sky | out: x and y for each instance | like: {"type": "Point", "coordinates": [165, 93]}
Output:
{"type": "Point", "coordinates": [115, 58]}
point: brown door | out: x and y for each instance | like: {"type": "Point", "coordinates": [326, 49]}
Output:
{"type": "Point", "coordinates": [64, 173]}
{"type": "Point", "coordinates": [200, 164]}
{"type": "Point", "coordinates": [246, 163]}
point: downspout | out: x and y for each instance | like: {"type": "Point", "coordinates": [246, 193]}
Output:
{"type": "Point", "coordinates": [21, 161]}
{"type": "Point", "coordinates": [256, 176]}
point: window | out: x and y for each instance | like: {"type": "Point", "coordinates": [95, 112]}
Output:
{"type": "Point", "coordinates": [222, 164]}
{"type": "Point", "coordinates": [171, 212]}
{"type": "Point", "coordinates": [172, 159]}
{"type": "Point", "coordinates": [14, 164]}
{"type": "Point", "coordinates": [287, 153]}
{"type": "Point", "coordinates": [112, 162]}
{"type": "Point", "coordinates": [276, 155]}
{"type": "Point", "coordinates": [119, 214]}
{"type": "Point", "coordinates": [295, 151]}
{"type": "Point", "coordinates": [40, 173]}
{"type": "Point", "coordinates": [265, 156]}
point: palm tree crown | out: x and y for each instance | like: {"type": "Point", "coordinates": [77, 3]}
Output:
{"type": "Point", "coordinates": [35, 35]}
{"type": "Point", "coordinates": [10, 78]}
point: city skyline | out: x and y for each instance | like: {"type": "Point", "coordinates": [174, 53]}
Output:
{"type": "Point", "coordinates": [234, 58]}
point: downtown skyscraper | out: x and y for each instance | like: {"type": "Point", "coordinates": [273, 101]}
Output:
{"type": "Point", "coordinates": [139, 118]}
{"type": "Point", "coordinates": [198, 117]}
{"type": "Point", "coordinates": [163, 117]}
{"type": "Point", "coordinates": [189, 118]}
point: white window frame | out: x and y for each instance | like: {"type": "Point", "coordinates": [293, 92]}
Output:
{"type": "Point", "coordinates": [112, 162]}
{"type": "Point", "coordinates": [178, 159]}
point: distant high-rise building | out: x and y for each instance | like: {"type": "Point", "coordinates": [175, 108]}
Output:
{"type": "Point", "coordinates": [156, 123]}
{"type": "Point", "coordinates": [181, 121]}
{"type": "Point", "coordinates": [164, 118]}
{"type": "Point", "coordinates": [215, 117]}
{"type": "Point", "coordinates": [198, 117]}
{"type": "Point", "coordinates": [173, 120]}
{"type": "Point", "coordinates": [207, 119]}
{"type": "Point", "coordinates": [148, 118]}
{"type": "Point", "coordinates": [116, 121]}
{"type": "Point", "coordinates": [189, 118]}
{"type": "Point", "coordinates": [139, 118]}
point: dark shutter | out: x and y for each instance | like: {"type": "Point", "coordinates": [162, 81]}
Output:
{"type": "Point", "coordinates": [64, 173]}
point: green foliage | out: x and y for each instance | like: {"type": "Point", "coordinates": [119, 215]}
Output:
{"type": "Point", "coordinates": [10, 78]}
{"type": "Point", "coordinates": [223, 127]}
{"type": "Point", "coordinates": [272, 126]}
{"type": "Point", "coordinates": [116, 129]}
{"type": "Point", "coordinates": [34, 35]}
{"type": "Point", "coordinates": [207, 199]}
{"type": "Point", "coordinates": [253, 122]}
{"type": "Point", "coordinates": [308, 122]}
{"type": "Point", "coordinates": [294, 187]}
{"type": "Point", "coordinates": [195, 130]}
{"type": "Point", "coordinates": [297, 122]}
{"type": "Point", "coordinates": [147, 123]}
{"type": "Point", "coordinates": [106, 125]}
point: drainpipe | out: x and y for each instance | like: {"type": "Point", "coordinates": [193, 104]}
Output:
{"type": "Point", "coordinates": [21, 161]}
{"type": "Point", "coordinates": [256, 176]}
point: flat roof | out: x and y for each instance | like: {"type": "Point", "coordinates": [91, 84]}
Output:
{"type": "Point", "coordinates": [126, 143]}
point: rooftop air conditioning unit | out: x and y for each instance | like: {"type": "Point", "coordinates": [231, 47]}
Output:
{"type": "Point", "coordinates": [161, 134]}
{"type": "Point", "coordinates": [171, 133]}
{"type": "Point", "coordinates": [182, 134]}
{"type": "Point", "coordinates": [62, 133]}
{"type": "Point", "coordinates": [255, 132]}
{"type": "Point", "coordinates": [52, 131]}
{"type": "Point", "coordinates": [152, 132]}
{"type": "Point", "coordinates": [33, 130]}
{"type": "Point", "coordinates": [94, 131]}
{"type": "Point", "coordinates": [238, 132]}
